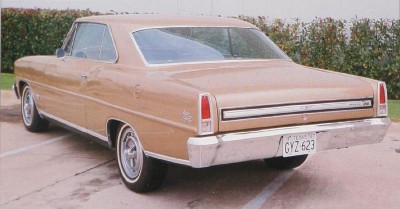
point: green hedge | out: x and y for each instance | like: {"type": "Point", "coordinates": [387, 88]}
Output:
{"type": "Point", "coordinates": [364, 47]}
{"type": "Point", "coordinates": [33, 32]}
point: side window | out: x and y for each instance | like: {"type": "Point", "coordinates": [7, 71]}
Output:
{"type": "Point", "coordinates": [107, 52]}
{"type": "Point", "coordinates": [88, 40]}
{"type": "Point", "coordinates": [92, 41]}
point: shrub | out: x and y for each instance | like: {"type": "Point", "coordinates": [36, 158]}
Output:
{"type": "Point", "coordinates": [33, 32]}
{"type": "Point", "coordinates": [364, 47]}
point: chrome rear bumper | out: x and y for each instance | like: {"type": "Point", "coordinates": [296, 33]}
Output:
{"type": "Point", "coordinates": [244, 146]}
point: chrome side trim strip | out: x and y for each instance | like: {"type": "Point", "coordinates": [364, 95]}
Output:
{"type": "Point", "coordinates": [129, 111]}
{"type": "Point", "coordinates": [287, 109]}
{"type": "Point", "coordinates": [166, 158]}
{"type": "Point", "coordinates": [84, 130]}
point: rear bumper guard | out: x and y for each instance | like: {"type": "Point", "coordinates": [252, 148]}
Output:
{"type": "Point", "coordinates": [244, 146]}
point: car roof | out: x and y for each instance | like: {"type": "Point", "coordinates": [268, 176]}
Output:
{"type": "Point", "coordinates": [137, 22]}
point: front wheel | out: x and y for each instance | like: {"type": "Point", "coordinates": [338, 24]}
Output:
{"type": "Point", "coordinates": [30, 116]}
{"type": "Point", "coordinates": [283, 163]}
{"type": "Point", "coordinates": [138, 172]}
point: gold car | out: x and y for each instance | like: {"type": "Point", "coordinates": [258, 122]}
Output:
{"type": "Point", "coordinates": [196, 91]}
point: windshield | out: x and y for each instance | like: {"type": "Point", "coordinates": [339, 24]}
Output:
{"type": "Point", "coordinates": [195, 44]}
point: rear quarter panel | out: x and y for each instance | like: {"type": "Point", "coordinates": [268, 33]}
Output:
{"type": "Point", "coordinates": [163, 113]}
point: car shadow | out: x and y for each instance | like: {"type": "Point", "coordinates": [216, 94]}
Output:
{"type": "Point", "coordinates": [229, 185]}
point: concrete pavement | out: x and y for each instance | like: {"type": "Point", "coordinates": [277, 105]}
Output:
{"type": "Point", "coordinates": [58, 169]}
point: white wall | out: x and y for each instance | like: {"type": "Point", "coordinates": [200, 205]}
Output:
{"type": "Point", "coordinates": [303, 9]}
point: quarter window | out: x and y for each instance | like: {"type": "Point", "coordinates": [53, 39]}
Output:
{"type": "Point", "coordinates": [92, 41]}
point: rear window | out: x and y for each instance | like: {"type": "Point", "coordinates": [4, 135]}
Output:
{"type": "Point", "coordinates": [198, 44]}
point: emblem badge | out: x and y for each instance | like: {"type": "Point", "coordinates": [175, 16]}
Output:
{"type": "Point", "coordinates": [187, 116]}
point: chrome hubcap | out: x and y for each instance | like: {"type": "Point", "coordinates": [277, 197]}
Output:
{"type": "Point", "coordinates": [131, 156]}
{"type": "Point", "coordinates": [27, 107]}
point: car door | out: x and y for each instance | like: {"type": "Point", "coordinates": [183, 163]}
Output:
{"type": "Point", "coordinates": [67, 76]}
{"type": "Point", "coordinates": [100, 86]}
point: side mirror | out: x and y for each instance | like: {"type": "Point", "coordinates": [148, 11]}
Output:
{"type": "Point", "coordinates": [60, 53]}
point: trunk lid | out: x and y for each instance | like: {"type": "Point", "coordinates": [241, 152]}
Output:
{"type": "Point", "coordinates": [253, 95]}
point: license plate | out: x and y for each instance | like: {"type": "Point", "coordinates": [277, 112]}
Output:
{"type": "Point", "coordinates": [299, 144]}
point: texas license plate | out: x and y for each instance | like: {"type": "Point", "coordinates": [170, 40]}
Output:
{"type": "Point", "coordinates": [299, 144]}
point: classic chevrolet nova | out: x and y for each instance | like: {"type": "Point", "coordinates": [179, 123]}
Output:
{"type": "Point", "coordinates": [196, 91]}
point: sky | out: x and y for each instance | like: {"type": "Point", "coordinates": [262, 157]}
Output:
{"type": "Point", "coordinates": [305, 10]}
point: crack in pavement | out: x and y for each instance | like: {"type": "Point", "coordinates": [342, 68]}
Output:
{"type": "Point", "coordinates": [77, 174]}
{"type": "Point", "coordinates": [57, 182]}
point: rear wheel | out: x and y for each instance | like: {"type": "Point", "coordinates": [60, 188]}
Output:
{"type": "Point", "coordinates": [283, 163]}
{"type": "Point", "coordinates": [139, 172]}
{"type": "Point", "coordinates": [30, 116]}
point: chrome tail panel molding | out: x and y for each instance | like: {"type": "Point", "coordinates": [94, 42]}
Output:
{"type": "Point", "coordinates": [229, 114]}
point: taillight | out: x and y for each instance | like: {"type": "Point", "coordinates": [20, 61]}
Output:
{"type": "Point", "coordinates": [205, 115]}
{"type": "Point", "coordinates": [382, 98]}
{"type": "Point", "coordinates": [205, 108]}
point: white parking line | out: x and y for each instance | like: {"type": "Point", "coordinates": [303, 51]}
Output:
{"type": "Point", "coordinates": [269, 190]}
{"type": "Point", "coordinates": [24, 149]}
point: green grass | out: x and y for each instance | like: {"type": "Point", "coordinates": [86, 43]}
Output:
{"type": "Point", "coordinates": [394, 110]}
{"type": "Point", "coordinates": [6, 81]}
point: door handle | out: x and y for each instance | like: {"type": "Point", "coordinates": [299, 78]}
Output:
{"type": "Point", "coordinates": [84, 76]}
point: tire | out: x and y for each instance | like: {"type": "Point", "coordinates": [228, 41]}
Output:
{"type": "Point", "coordinates": [30, 116]}
{"type": "Point", "coordinates": [283, 163]}
{"type": "Point", "coordinates": [138, 172]}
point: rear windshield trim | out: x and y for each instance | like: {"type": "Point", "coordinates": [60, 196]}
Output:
{"type": "Point", "coordinates": [147, 64]}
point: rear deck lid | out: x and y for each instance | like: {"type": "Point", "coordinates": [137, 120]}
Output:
{"type": "Point", "coordinates": [263, 94]}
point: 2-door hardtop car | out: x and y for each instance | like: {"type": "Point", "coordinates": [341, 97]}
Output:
{"type": "Point", "coordinates": [197, 91]}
